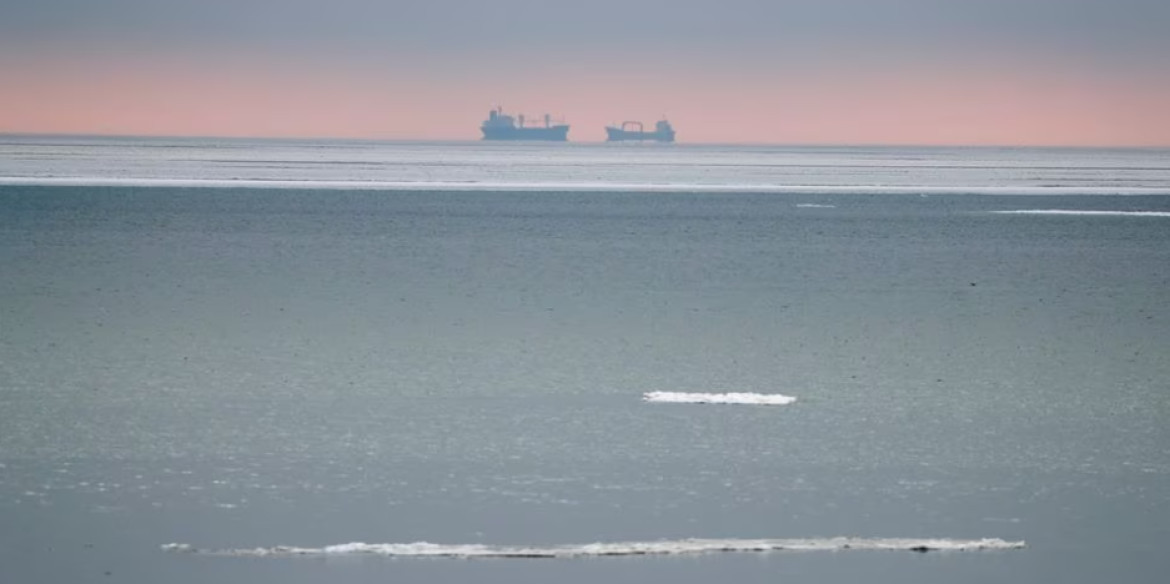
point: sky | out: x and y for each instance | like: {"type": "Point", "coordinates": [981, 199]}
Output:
{"type": "Point", "coordinates": [984, 72]}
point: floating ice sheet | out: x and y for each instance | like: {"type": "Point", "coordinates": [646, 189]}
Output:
{"type": "Point", "coordinates": [1084, 212]}
{"type": "Point", "coordinates": [758, 399]}
{"type": "Point", "coordinates": [666, 547]}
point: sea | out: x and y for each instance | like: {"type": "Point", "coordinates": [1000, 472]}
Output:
{"type": "Point", "coordinates": [310, 361]}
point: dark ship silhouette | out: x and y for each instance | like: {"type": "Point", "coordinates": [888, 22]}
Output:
{"type": "Point", "coordinates": [663, 132]}
{"type": "Point", "coordinates": [500, 126]}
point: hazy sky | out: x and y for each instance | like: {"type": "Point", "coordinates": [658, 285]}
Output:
{"type": "Point", "coordinates": [783, 71]}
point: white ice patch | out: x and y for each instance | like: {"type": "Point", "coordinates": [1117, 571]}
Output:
{"type": "Point", "coordinates": [670, 547]}
{"type": "Point", "coordinates": [756, 399]}
{"type": "Point", "coordinates": [1084, 212]}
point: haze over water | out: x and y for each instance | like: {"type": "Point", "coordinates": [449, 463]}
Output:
{"type": "Point", "coordinates": [1016, 72]}
{"type": "Point", "coordinates": [237, 345]}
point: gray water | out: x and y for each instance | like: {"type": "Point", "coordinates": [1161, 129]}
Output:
{"type": "Point", "coordinates": [235, 368]}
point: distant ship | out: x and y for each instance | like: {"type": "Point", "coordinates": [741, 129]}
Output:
{"type": "Point", "coordinates": [500, 126]}
{"type": "Point", "coordinates": [634, 131]}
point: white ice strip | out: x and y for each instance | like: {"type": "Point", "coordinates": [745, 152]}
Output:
{"type": "Point", "coordinates": [673, 547]}
{"type": "Point", "coordinates": [756, 399]}
{"type": "Point", "coordinates": [815, 206]}
{"type": "Point", "coordinates": [566, 186]}
{"type": "Point", "coordinates": [1083, 212]}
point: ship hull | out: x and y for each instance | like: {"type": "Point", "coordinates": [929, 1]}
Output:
{"type": "Point", "coordinates": [619, 135]}
{"type": "Point", "coordinates": [549, 134]}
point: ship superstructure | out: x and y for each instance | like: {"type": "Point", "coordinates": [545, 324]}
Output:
{"type": "Point", "coordinates": [501, 126]}
{"type": "Point", "coordinates": [634, 131]}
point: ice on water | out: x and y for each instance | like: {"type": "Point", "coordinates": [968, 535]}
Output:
{"type": "Point", "coordinates": [177, 162]}
{"type": "Point", "coordinates": [351, 361]}
{"type": "Point", "coordinates": [667, 547]}
{"type": "Point", "coordinates": [758, 399]}
{"type": "Point", "coordinates": [1086, 212]}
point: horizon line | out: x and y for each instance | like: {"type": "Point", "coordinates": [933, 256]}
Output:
{"type": "Point", "coordinates": [374, 139]}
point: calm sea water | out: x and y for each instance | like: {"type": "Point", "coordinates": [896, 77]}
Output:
{"type": "Point", "coordinates": [239, 345]}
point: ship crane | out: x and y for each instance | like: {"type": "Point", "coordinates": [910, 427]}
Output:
{"type": "Point", "coordinates": [636, 131]}
{"type": "Point", "coordinates": [500, 126]}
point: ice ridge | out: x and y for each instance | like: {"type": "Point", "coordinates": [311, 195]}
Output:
{"type": "Point", "coordinates": [665, 547]}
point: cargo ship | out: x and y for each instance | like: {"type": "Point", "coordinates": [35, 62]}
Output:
{"type": "Point", "coordinates": [663, 132]}
{"type": "Point", "coordinates": [500, 126]}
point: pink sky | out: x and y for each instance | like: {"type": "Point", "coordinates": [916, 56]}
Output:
{"type": "Point", "coordinates": [978, 102]}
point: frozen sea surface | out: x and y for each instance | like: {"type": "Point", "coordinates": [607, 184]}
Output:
{"type": "Point", "coordinates": [234, 369]}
